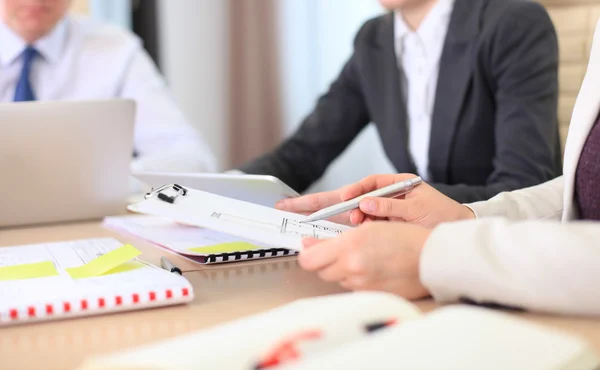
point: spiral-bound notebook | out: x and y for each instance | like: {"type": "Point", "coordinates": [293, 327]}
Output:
{"type": "Point", "coordinates": [196, 244]}
{"type": "Point", "coordinates": [263, 227]}
{"type": "Point", "coordinates": [88, 277]}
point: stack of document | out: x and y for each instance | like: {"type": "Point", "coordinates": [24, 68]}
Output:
{"type": "Point", "coordinates": [193, 243]}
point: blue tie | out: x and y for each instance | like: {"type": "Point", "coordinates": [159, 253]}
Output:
{"type": "Point", "coordinates": [24, 91]}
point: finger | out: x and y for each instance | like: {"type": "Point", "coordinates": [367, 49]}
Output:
{"type": "Point", "coordinates": [354, 282]}
{"type": "Point", "coordinates": [321, 255]}
{"type": "Point", "coordinates": [365, 186]}
{"type": "Point", "coordinates": [349, 265]}
{"type": "Point", "coordinates": [309, 242]}
{"type": "Point", "coordinates": [342, 218]}
{"type": "Point", "coordinates": [344, 284]}
{"type": "Point", "coordinates": [333, 273]}
{"type": "Point", "coordinates": [370, 184]}
{"type": "Point", "coordinates": [384, 207]}
{"type": "Point", "coordinates": [309, 203]}
{"type": "Point", "coordinates": [356, 217]}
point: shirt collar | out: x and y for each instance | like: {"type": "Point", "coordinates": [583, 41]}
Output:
{"type": "Point", "coordinates": [50, 46]}
{"type": "Point", "coordinates": [438, 16]}
{"type": "Point", "coordinates": [11, 45]}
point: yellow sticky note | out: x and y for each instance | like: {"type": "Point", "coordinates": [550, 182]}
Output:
{"type": "Point", "coordinates": [231, 247]}
{"type": "Point", "coordinates": [127, 266]}
{"type": "Point", "coordinates": [28, 271]}
{"type": "Point", "coordinates": [104, 263]}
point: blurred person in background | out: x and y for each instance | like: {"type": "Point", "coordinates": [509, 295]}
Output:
{"type": "Point", "coordinates": [46, 54]}
{"type": "Point", "coordinates": [463, 93]}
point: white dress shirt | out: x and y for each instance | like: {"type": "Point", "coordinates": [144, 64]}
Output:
{"type": "Point", "coordinates": [418, 54]}
{"type": "Point", "coordinates": [83, 59]}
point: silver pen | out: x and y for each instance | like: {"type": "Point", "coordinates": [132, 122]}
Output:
{"type": "Point", "coordinates": [390, 191]}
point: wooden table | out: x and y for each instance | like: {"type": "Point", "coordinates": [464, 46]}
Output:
{"type": "Point", "coordinates": [223, 293]}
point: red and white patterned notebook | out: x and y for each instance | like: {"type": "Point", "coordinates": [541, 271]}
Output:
{"type": "Point", "coordinates": [43, 293]}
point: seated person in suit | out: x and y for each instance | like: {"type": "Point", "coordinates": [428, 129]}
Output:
{"type": "Point", "coordinates": [463, 93]}
{"type": "Point", "coordinates": [536, 248]}
{"type": "Point", "coordinates": [46, 54]}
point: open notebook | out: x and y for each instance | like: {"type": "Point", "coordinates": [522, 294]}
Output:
{"type": "Point", "coordinates": [196, 244]}
{"type": "Point", "coordinates": [81, 278]}
{"type": "Point", "coordinates": [357, 331]}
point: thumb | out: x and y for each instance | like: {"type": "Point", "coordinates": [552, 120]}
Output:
{"type": "Point", "coordinates": [384, 207]}
{"type": "Point", "coordinates": [309, 242]}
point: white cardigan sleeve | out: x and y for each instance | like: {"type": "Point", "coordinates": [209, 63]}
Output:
{"type": "Point", "coordinates": [535, 265]}
{"type": "Point", "coordinates": [544, 201]}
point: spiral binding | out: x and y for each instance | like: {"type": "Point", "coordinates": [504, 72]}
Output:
{"type": "Point", "coordinates": [248, 255]}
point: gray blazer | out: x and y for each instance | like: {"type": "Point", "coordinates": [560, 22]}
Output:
{"type": "Point", "coordinates": [494, 125]}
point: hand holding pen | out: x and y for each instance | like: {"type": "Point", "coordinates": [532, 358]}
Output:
{"type": "Point", "coordinates": [391, 191]}
{"type": "Point", "coordinates": [423, 205]}
{"type": "Point", "coordinates": [317, 204]}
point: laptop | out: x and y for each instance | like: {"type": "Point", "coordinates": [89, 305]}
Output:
{"type": "Point", "coordinates": [64, 160]}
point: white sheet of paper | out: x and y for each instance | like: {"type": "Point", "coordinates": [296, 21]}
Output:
{"type": "Point", "coordinates": [172, 235]}
{"type": "Point", "coordinates": [272, 227]}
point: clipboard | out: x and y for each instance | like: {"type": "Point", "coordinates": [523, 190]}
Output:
{"type": "Point", "coordinates": [259, 189]}
{"type": "Point", "coordinates": [269, 228]}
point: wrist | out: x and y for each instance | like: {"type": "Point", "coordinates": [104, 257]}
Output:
{"type": "Point", "coordinates": [467, 213]}
{"type": "Point", "coordinates": [420, 290]}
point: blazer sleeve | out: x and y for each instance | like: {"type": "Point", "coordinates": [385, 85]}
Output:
{"type": "Point", "coordinates": [339, 116]}
{"type": "Point", "coordinates": [544, 201]}
{"type": "Point", "coordinates": [539, 266]}
{"type": "Point", "coordinates": [521, 61]}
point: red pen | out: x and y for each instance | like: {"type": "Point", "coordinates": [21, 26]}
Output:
{"type": "Point", "coordinates": [287, 350]}
{"type": "Point", "coordinates": [294, 347]}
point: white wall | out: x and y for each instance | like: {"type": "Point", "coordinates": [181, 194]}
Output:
{"type": "Point", "coordinates": [315, 41]}
{"type": "Point", "coordinates": [194, 53]}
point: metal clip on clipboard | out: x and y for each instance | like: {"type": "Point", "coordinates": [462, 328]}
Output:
{"type": "Point", "coordinates": [159, 192]}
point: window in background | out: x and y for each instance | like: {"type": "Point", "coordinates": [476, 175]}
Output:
{"type": "Point", "coordinates": [113, 11]}
{"type": "Point", "coordinates": [316, 39]}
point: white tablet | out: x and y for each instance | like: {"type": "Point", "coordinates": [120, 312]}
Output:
{"type": "Point", "coordinates": [258, 189]}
